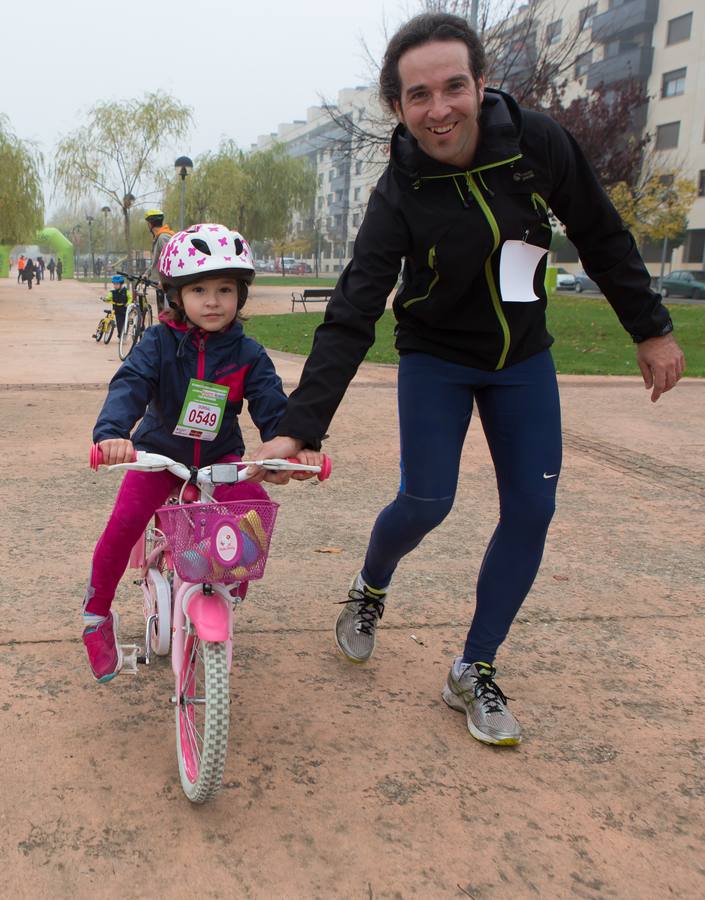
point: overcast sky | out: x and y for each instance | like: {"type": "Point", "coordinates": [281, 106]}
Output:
{"type": "Point", "coordinates": [243, 67]}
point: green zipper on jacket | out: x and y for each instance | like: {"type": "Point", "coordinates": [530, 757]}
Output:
{"type": "Point", "coordinates": [432, 266]}
{"type": "Point", "coordinates": [489, 274]}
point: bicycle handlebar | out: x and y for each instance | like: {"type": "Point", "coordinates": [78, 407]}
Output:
{"type": "Point", "coordinates": [156, 462]}
{"type": "Point", "coordinates": [138, 278]}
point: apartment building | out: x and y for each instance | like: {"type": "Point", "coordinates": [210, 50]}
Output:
{"type": "Point", "coordinates": [658, 42]}
{"type": "Point", "coordinates": [345, 173]}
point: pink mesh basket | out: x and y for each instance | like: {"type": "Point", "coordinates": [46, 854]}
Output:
{"type": "Point", "coordinates": [224, 542]}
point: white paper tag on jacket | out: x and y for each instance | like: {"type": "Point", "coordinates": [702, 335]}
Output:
{"type": "Point", "coordinates": [517, 267]}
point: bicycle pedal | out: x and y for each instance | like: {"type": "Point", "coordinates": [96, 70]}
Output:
{"type": "Point", "coordinates": [130, 658]}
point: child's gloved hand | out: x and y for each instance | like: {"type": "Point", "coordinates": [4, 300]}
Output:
{"type": "Point", "coordinates": [117, 450]}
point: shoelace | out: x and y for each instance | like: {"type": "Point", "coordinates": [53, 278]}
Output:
{"type": "Point", "coordinates": [369, 610]}
{"type": "Point", "coordinates": [488, 691]}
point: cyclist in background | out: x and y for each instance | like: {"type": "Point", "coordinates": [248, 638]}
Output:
{"type": "Point", "coordinates": [160, 237]}
{"type": "Point", "coordinates": [119, 297]}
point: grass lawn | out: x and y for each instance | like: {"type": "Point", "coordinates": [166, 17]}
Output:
{"type": "Point", "coordinates": [589, 338]}
{"type": "Point", "coordinates": [311, 281]}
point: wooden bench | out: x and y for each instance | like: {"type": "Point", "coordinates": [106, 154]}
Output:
{"type": "Point", "coordinates": [311, 295]}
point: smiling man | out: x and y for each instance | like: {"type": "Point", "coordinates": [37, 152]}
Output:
{"type": "Point", "coordinates": [464, 203]}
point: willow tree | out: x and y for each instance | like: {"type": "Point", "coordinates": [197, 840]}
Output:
{"type": "Point", "coordinates": [258, 193]}
{"type": "Point", "coordinates": [21, 198]}
{"type": "Point", "coordinates": [115, 152]}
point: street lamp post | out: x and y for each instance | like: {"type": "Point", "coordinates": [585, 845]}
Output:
{"type": "Point", "coordinates": [89, 219]}
{"type": "Point", "coordinates": [184, 167]}
{"type": "Point", "coordinates": [106, 212]}
{"type": "Point", "coordinates": [75, 236]}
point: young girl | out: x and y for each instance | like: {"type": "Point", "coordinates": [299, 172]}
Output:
{"type": "Point", "coordinates": [205, 272]}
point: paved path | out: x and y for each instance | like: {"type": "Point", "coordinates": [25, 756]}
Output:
{"type": "Point", "coordinates": [357, 782]}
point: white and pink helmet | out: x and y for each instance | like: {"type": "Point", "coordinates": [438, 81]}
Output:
{"type": "Point", "coordinates": [205, 250]}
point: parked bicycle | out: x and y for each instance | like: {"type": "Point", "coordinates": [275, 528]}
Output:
{"type": "Point", "coordinates": [194, 560]}
{"type": "Point", "coordinates": [106, 327]}
{"type": "Point", "coordinates": [138, 315]}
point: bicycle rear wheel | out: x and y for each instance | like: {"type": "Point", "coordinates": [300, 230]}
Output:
{"type": "Point", "coordinates": [202, 718]}
{"type": "Point", "coordinates": [130, 331]}
{"type": "Point", "coordinates": [108, 332]}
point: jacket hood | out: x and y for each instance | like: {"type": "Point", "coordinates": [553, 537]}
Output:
{"type": "Point", "coordinates": [501, 127]}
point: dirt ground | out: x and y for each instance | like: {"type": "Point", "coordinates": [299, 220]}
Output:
{"type": "Point", "coordinates": [357, 781]}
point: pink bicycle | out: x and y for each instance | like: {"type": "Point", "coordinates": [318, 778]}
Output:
{"type": "Point", "coordinates": [193, 561]}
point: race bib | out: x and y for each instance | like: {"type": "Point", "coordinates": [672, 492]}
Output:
{"type": "Point", "coordinates": [202, 413]}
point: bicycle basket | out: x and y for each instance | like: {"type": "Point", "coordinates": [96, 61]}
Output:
{"type": "Point", "coordinates": [224, 542]}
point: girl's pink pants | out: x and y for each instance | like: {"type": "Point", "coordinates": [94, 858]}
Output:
{"type": "Point", "coordinates": [140, 495]}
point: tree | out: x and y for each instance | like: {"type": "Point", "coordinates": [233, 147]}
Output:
{"type": "Point", "coordinates": [114, 153]}
{"type": "Point", "coordinates": [21, 197]}
{"type": "Point", "coordinates": [655, 209]}
{"type": "Point", "coordinates": [257, 193]}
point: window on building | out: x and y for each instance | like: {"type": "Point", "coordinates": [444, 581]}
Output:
{"type": "Point", "coordinates": [351, 248]}
{"type": "Point", "coordinates": [679, 29]}
{"type": "Point", "coordinates": [695, 246]}
{"type": "Point", "coordinates": [673, 83]}
{"type": "Point", "coordinates": [583, 63]}
{"type": "Point", "coordinates": [358, 168]}
{"type": "Point", "coordinates": [338, 224]}
{"type": "Point", "coordinates": [330, 199]}
{"type": "Point", "coordinates": [701, 183]}
{"type": "Point", "coordinates": [358, 191]}
{"type": "Point", "coordinates": [666, 180]}
{"type": "Point", "coordinates": [356, 216]}
{"type": "Point", "coordinates": [586, 15]}
{"type": "Point", "coordinates": [320, 178]}
{"type": "Point", "coordinates": [319, 202]}
{"type": "Point", "coordinates": [667, 136]}
{"type": "Point", "coordinates": [553, 32]}
{"type": "Point", "coordinates": [614, 3]}
{"type": "Point", "coordinates": [338, 196]}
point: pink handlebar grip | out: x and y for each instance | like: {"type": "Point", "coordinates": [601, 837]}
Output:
{"type": "Point", "coordinates": [326, 466]}
{"type": "Point", "coordinates": [95, 457]}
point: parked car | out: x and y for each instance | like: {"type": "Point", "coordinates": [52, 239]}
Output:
{"type": "Point", "coordinates": [292, 266]}
{"type": "Point", "coordinates": [564, 280]}
{"type": "Point", "coordinates": [684, 283]}
{"type": "Point", "coordinates": [584, 283]}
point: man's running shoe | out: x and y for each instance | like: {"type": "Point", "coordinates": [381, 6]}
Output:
{"type": "Point", "coordinates": [104, 653]}
{"type": "Point", "coordinates": [355, 628]}
{"type": "Point", "coordinates": [472, 689]}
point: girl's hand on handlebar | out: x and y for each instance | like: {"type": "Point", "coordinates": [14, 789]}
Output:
{"type": "Point", "coordinates": [308, 458]}
{"type": "Point", "coordinates": [116, 451]}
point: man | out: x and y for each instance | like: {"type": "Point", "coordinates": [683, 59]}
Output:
{"type": "Point", "coordinates": [160, 237]}
{"type": "Point", "coordinates": [464, 203]}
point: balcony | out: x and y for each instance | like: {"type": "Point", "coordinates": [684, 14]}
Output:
{"type": "Point", "coordinates": [625, 21]}
{"type": "Point", "coordinates": [633, 63]}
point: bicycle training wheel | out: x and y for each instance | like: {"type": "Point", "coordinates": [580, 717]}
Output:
{"type": "Point", "coordinates": [202, 718]}
{"type": "Point", "coordinates": [157, 601]}
{"type": "Point", "coordinates": [108, 332]}
{"type": "Point", "coordinates": [129, 332]}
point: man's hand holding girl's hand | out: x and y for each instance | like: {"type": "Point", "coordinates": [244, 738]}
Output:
{"type": "Point", "coordinates": [116, 451]}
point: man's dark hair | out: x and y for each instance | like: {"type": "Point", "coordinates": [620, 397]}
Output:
{"type": "Point", "coordinates": [421, 30]}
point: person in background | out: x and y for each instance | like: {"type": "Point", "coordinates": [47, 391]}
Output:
{"type": "Point", "coordinates": [160, 238]}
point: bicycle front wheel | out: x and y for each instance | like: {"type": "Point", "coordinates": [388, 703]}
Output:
{"type": "Point", "coordinates": [98, 332]}
{"type": "Point", "coordinates": [129, 332]}
{"type": "Point", "coordinates": [108, 332]}
{"type": "Point", "coordinates": [202, 718]}
{"type": "Point", "coordinates": [148, 317]}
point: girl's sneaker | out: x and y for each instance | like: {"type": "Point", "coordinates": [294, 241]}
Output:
{"type": "Point", "coordinates": [104, 653]}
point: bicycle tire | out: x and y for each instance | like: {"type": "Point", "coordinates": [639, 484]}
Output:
{"type": "Point", "coordinates": [201, 754]}
{"type": "Point", "coordinates": [148, 319]}
{"type": "Point", "coordinates": [130, 330]}
{"type": "Point", "coordinates": [159, 603]}
{"type": "Point", "coordinates": [99, 332]}
{"type": "Point", "coordinates": [108, 333]}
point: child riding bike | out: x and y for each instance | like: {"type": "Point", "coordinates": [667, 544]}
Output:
{"type": "Point", "coordinates": [119, 297]}
{"type": "Point", "coordinates": [186, 381]}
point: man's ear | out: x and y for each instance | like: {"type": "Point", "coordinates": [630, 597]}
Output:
{"type": "Point", "coordinates": [398, 111]}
